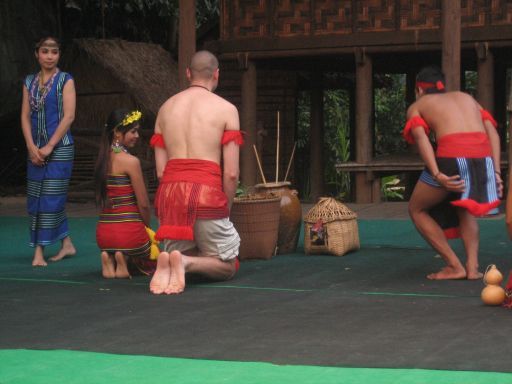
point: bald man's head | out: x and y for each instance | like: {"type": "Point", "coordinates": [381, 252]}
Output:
{"type": "Point", "coordinates": [203, 65]}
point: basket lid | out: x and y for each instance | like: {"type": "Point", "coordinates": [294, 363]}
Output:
{"type": "Point", "coordinates": [329, 209]}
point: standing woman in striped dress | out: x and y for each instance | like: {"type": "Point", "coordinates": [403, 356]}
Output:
{"type": "Point", "coordinates": [47, 111]}
{"type": "Point", "coordinates": [121, 192]}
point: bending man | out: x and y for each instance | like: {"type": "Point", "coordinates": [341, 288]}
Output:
{"type": "Point", "coordinates": [194, 130]}
{"type": "Point", "coordinates": [464, 169]}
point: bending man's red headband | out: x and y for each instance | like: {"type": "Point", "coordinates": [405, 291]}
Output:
{"type": "Point", "coordinates": [425, 85]}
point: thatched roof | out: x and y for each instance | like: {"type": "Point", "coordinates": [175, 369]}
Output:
{"type": "Point", "coordinates": [146, 70]}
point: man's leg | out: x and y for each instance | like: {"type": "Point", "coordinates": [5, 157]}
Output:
{"type": "Point", "coordinates": [208, 266]}
{"type": "Point", "coordinates": [423, 198]}
{"type": "Point", "coordinates": [470, 234]}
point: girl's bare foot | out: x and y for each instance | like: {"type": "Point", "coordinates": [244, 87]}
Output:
{"type": "Point", "coordinates": [160, 279]}
{"type": "Point", "coordinates": [108, 268]}
{"type": "Point", "coordinates": [38, 260]}
{"type": "Point", "coordinates": [67, 250]}
{"type": "Point", "coordinates": [121, 266]}
{"type": "Point", "coordinates": [448, 273]}
{"type": "Point", "coordinates": [177, 281]}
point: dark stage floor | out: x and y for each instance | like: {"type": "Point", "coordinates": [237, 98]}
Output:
{"type": "Point", "coordinates": [373, 308]}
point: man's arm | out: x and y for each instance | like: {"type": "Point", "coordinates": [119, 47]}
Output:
{"type": "Point", "coordinates": [231, 157]}
{"type": "Point", "coordinates": [231, 170]}
{"type": "Point", "coordinates": [450, 183]}
{"type": "Point", "coordinates": [494, 139]}
{"type": "Point", "coordinates": [161, 156]}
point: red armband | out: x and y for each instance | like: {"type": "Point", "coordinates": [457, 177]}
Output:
{"type": "Point", "coordinates": [487, 116]}
{"type": "Point", "coordinates": [157, 140]}
{"type": "Point", "coordinates": [414, 122]}
{"type": "Point", "coordinates": [235, 136]}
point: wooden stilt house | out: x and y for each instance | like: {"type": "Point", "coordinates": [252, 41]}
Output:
{"type": "Point", "coordinates": [272, 49]}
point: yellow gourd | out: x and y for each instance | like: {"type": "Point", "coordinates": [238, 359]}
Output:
{"type": "Point", "coordinates": [492, 275]}
{"type": "Point", "coordinates": [493, 295]}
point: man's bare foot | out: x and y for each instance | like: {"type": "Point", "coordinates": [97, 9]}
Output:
{"type": "Point", "coordinates": [162, 275]}
{"type": "Point", "coordinates": [108, 268]}
{"type": "Point", "coordinates": [67, 250]}
{"type": "Point", "coordinates": [473, 273]}
{"type": "Point", "coordinates": [448, 273]}
{"type": "Point", "coordinates": [121, 266]}
{"type": "Point", "coordinates": [177, 281]}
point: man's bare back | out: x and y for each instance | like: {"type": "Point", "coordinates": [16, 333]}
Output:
{"type": "Point", "coordinates": [450, 112]}
{"type": "Point", "coordinates": [193, 122]}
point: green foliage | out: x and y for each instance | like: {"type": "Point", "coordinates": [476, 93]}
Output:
{"type": "Point", "coordinates": [390, 110]}
{"type": "Point", "coordinates": [241, 190]}
{"type": "Point", "coordinates": [134, 20]}
{"type": "Point", "coordinates": [337, 141]}
{"type": "Point", "coordinates": [391, 188]}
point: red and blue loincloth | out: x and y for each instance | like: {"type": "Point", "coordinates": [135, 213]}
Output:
{"type": "Point", "coordinates": [468, 155]}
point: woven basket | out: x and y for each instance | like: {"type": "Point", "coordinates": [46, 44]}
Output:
{"type": "Point", "coordinates": [330, 228]}
{"type": "Point", "coordinates": [256, 219]}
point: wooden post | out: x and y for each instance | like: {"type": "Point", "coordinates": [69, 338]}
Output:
{"type": "Point", "coordinates": [187, 38]}
{"type": "Point", "coordinates": [509, 149]}
{"type": "Point", "coordinates": [248, 122]}
{"type": "Point", "coordinates": [485, 88]}
{"type": "Point", "coordinates": [316, 137]}
{"type": "Point", "coordinates": [451, 23]}
{"type": "Point", "coordinates": [410, 87]}
{"type": "Point", "coordinates": [364, 136]}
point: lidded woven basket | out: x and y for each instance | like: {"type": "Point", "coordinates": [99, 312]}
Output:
{"type": "Point", "coordinates": [330, 227]}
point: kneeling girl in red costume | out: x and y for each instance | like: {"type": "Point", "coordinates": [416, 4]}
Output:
{"type": "Point", "coordinates": [120, 191]}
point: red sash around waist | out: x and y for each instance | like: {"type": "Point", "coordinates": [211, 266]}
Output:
{"type": "Point", "coordinates": [190, 189]}
{"type": "Point", "coordinates": [464, 144]}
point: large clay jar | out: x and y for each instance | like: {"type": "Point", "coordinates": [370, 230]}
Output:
{"type": "Point", "coordinates": [290, 217]}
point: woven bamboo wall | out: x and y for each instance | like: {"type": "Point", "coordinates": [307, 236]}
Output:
{"type": "Point", "coordinates": [291, 18]}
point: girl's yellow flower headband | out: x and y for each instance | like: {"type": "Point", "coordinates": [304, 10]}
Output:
{"type": "Point", "coordinates": [130, 118]}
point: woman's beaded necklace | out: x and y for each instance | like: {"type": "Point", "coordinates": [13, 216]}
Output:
{"type": "Point", "coordinates": [117, 147]}
{"type": "Point", "coordinates": [39, 91]}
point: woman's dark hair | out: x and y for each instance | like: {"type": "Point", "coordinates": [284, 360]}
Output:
{"type": "Point", "coordinates": [431, 74]}
{"type": "Point", "coordinates": [43, 39]}
{"type": "Point", "coordinates": [114, 122]}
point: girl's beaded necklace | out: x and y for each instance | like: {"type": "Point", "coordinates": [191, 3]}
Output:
{"type": "Point", "coordinates": [39, 91]}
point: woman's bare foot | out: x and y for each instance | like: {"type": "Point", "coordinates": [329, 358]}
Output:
{"type": "Point", "coordinates": [448, 273]}
{"type": "Point", "coordinates": [108, 268]}
{"type": "Point", "coordinates": [177, 281]}
{"type": "Point", "coordinates": [67, 250]}
{"type": "Point", "coordinates": [38, 260]}
{"type": "Point", "coordinates": [121, 266]}
{"type": "Point", "coordinates": [160, 279]}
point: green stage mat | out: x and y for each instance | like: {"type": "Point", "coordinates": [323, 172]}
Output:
{"type": "Point", "coordinates": [70, 367]}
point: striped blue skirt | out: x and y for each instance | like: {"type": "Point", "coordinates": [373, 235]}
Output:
{"type": "Point", "coordinates": [47, 188]}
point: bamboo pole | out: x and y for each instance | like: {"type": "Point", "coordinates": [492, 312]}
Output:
{"type": "Point", "coordinates": [277, 149]}
{"type": "Point", "coordinates": [259, 164]}
{"type": "Point", "coordinates": [290, 162]}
